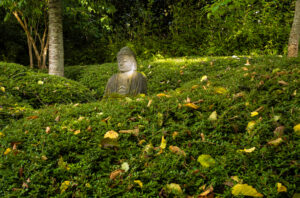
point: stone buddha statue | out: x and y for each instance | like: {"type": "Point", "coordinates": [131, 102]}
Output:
{"type": "Point", "coordinates": [128, 81]}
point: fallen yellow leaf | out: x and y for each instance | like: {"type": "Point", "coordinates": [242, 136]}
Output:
{"type": "Point", "coordinates": [139, 183]}
{"type": "Point", "coordinates": [174, 188]}
{"type": "Point", "coordinates": [281, 188]}
{"type": "Point", "coordinates": [162, 95]}
{"type": "Point", "coordinates": [174, 135]}
{"type": "Point", "coordinates": [111, 135]}
{"type": "Point", "coordinates": [254, 113]}
{"type": "Point", "coordinates": [246, 190]}
{"type": "Point", "coordinates": [2, 89]}
{"type": "Point", "coordinates": [7, 151]}
{"type": "Point", "coordinates": [191, 105]}
{"type": "Point", "coordinates": [44, 157]}
{"type": "Point", "coordinates": [125, 166]}
{"type": "Point", "coordinates": [250, 150]}
{"type": "Point", "coordinates": [250, 126]}
{"type": "Point", "coordinates": [237, 179]}
{"type": "Point", "coordinates": [64, 186]}
{"type": "Point", "coordinates": [76, 132]}
{"type": "Point", "coordinates": [206, 160]}
{"type": "Point", "coordinates": [213, 116]}
{"type": "Point", "coordinates": [297, 129]}
{"type": "Point", "coordinates": [141, 142]}
{"type": "Point", "coordinates": [275, 142]}
{"type": "Point", "coordinates": [2, 134]}
{"type": "Point", "coordinates": [195, 86]}
{"type": "Point", "coordinates": [220, 90]}
{"type": "Point", "coordinates": [163, 143]}
{"type": "Point", "coordinates": [204, 78]}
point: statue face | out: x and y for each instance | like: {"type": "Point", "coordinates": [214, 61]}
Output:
{"type": "Point", "coordinates": [127, 63]}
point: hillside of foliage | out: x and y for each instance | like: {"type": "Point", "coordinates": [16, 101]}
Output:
{"type": "Point", "coordinates": [209, 127]}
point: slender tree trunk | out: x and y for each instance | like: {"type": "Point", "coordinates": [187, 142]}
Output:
{"type": "Point", "coordinates": [30, 51]}
{"type": "Point", "coordinates": [295, 33]}
{"type": "Point", "coordinates": [45, 51]}
{"type": "Point", "coordinates": [56, 48]}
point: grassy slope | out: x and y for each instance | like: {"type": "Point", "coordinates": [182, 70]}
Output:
{"type": "Point", "coordinates": [233, 90]}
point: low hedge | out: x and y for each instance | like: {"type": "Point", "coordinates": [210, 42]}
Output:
{"type": "Point", "coordinates": [39, 89]}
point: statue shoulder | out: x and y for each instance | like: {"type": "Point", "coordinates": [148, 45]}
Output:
{"type": "Point", "coordinates": [140, 75]}
{"type": "Point", "coordinates": [113, 78]}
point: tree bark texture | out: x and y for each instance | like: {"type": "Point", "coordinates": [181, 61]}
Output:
{"type": "Point", "coordinates": [295, 33]}
{"type": "Point", "coordinates": [56, 47]}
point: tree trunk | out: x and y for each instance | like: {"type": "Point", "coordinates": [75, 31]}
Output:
{"type": "Point", "coordinates": [30, 51]}
{"type": "Point", "coordinates": [45, 51]}
{"type": "Point", "coordinates": [56, 48]}
{"type": "Point", "coordinates": [295, 33]}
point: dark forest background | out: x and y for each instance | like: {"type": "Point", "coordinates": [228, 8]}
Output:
{"type": "Point", "coordinates": [154, 28]}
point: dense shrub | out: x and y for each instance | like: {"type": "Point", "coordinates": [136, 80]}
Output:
{"type": "Point", "coordinates": [94, 77]}
{"type": "Point", "coordinates": [61, 151]}
{"type": "Point", "coordinates": [41, 89]}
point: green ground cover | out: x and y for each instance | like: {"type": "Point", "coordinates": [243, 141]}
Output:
{"type": "Point", "coordinates": [189, 135]}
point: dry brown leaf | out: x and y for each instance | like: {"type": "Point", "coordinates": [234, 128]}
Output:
{"type": "Point", "coordinates": [89, 129]}
{"type": "Point", "coordinates": [32, 117]}
{"type": "Point", "coordinates": [174, 135]}
{"type": "Point", "coordinates": [149, 103]}
{"type": "Point", "coordinates": [48, 130]}
{"type": "Point", "coordinates": [281, 82]}
{"type": "Point", "coordinates": [113, 175]}
{"type": "Point", "coordinates": [44, 157]}
{"type": "Point", "coordinates": [163, 95]}
{"type": "Point", "coordinates": [106, 119]}
{"type": "Point", "coordinates": [202, 137]}
{"type": "Point", "coordinates": [259, 109]}
{"type": "Point", "coordinates": [239, 95]}
{"type": "Point", "coordinates": [188, 100]}
{"type": "Point", "coordinates": [195, 87]}
{"type": "Point", "coordinates": [177, 150]}
{"type": "Point", "coordinates": [57, 118]}
{"type": "Point", "coordinates": [24, 185]}
{"type": "Point", "coordinates": [132, 131]}
{"type": "Point", "coordinates": [208, 193]}
{"type": "Point", "coordinates": [279, 131]}
{"type": "Point", "coordinates": [198, 101]}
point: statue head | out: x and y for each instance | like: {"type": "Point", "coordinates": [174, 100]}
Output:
{"type": "Point", "coordinates": [126, 60]}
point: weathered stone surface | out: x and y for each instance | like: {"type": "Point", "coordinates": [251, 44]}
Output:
{"type": "Point", "coordinates": [128, 81]}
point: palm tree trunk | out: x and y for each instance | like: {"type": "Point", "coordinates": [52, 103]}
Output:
{"type": "Point", "coordinates": [56, 48]}
{"type": "Point", "coordinates": [295, 33]}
